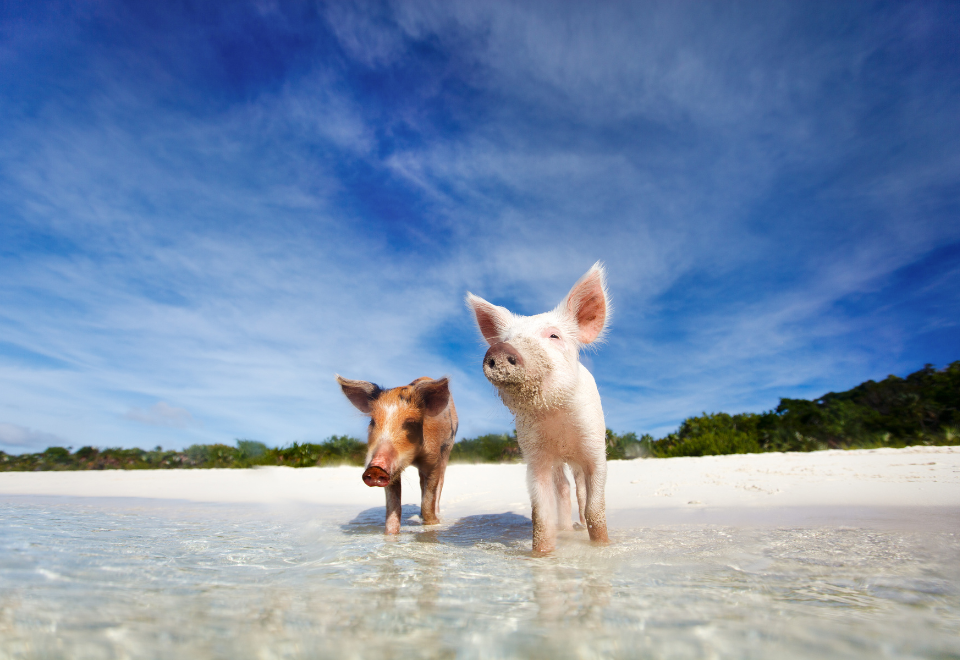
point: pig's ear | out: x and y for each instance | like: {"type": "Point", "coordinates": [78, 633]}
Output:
{"type": "Point", "coordinates": [588, 304]}
{"type": "Point", "coordinates": [361, 393]}
{"type": "Point", "coordinates": [435, 394]}
{"type": "Point", "coordinates": [492, 319]}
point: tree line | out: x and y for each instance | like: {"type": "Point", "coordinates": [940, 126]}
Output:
{"type": "Point", "coordinates": [923, 408]}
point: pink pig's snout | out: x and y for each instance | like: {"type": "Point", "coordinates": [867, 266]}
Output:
{"type": "Point", "coordinates": [501, 353]}
{"type": "Point", "coordinates": [503, 363]}
{"type": "Point", "coordinates": [376, 476]}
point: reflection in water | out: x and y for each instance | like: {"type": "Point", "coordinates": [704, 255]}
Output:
{"type": "Point", "coordinates": [571, 594]}
{"type": "Point", "coordinates": [105, 580]}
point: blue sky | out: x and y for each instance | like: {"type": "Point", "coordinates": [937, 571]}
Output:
{"type": "Point", "coordinates": [206, 210]}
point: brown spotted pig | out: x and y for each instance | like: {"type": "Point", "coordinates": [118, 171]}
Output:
{"type": "Point", "coordinates": [410, 425]}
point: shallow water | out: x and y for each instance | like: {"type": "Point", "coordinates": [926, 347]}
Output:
{"type": "Point", "coordinates": [116, 579]}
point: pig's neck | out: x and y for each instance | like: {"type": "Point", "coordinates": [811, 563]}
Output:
{"type": "Point", "coordinates": [562, 429]}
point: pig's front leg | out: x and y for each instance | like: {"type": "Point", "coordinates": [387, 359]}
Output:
{"type": "Point", "coordinates": [431, 481]}
{"type": "Point", "coordinates": [596, 508]}
{"type": "Point", "coordinates": [543, 498]}
{"type": "Point", "coordinates": [394, 508]}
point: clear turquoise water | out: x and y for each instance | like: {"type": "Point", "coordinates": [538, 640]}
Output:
{"type": "Point", "coordinates": [128, 579]}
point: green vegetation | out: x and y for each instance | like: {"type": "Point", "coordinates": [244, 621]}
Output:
{"type": "Point", "coordinates": [921, 409]}
{"type": "Point", "coordinates": [625, 446]}
{"type": "Point", "coordinates": [336, 450]}
{"type": "Point", "coordinates": [491, 448]}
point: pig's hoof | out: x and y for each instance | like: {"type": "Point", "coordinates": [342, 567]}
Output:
{"type": "Point", "coordinates": [579, 527]}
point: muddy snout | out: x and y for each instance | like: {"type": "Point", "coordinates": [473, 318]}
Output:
{"type": "Point", "coordinates": [375, 476]}
{"type": "Point", "coordinates": [503, 364]}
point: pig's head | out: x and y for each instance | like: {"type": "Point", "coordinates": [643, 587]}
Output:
{"type": "Point", "coordinates": [395, 433]}
{"type": "Point", "coordinates": [534, 360]}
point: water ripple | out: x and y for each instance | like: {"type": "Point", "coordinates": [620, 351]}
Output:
{"type": "Point", "coordinates": [125, 580]}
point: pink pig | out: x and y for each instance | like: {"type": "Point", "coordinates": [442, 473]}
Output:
{"type": "Point", "coordinates": [534, 363]}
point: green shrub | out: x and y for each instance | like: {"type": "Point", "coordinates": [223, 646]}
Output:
{"type": "Point", "coordinates": [335, 450]}
{"type": "Point", "coordinates": [490, 448]}
{"type": "Point", "coordinates": [247, 449]}
{"type": "Point", "coordinates": [198, 454]}
{"type": "Point", "coordinates": [85, 453]}
{"type": "Point", "coordinates": [57, 454]}
{"type": "Point", "coordinates": [712, 435]}
{"type": "Point", "coordinates": [626, 446]}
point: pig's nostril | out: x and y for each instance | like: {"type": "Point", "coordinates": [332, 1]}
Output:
{"type": "Point", "coordinates": [511, 359]}
{"type": "Point", "coordinates": [492, 363]}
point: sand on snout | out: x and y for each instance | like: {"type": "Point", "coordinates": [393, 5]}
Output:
{"type": "Point", "coordinates": [841, 486]}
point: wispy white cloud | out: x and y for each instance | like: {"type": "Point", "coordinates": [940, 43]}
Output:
{"type": "Point", "coordinates": [364, 33]}
{"type": "Point", "coordinates": [232, 258]}
{"type": "Point", "coordinates": [19, 438]}
{"type": "Point", "coordinates": [161, 414]}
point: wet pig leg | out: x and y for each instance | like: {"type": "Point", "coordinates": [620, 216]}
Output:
{"type": "Point", "coordinates": [431, 480]}
{"type": "Point", "coordinates": [562, 484]}
{"type": "Point", "coordinates": [596, 506]}
{"type": "Point", "coordinates": [394, 508]}
{"type": "Point", "coordinates": [543, 497]}
{"type": "Point", "coordinates": [581, 485]}
{"type": "Point", "coordinates": [441, 471]}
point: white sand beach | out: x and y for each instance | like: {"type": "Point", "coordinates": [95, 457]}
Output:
{"type": "Point", "coordinates": [644, 491]}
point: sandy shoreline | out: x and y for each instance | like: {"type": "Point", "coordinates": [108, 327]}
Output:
{"type": "Point", "coordinates": [651, 490]}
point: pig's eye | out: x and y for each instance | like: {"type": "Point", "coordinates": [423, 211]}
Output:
{"type": "Point", "coordinates": [552, 333]}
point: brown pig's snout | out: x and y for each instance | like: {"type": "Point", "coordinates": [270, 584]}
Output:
{"type": "Point", "coordinates": [376, 476]}
{"type": "Point", "coordinates": [501, 354]}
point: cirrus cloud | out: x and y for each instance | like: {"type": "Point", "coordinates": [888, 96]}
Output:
{"type": "Point", "coordinates": [161, 414]}
{"type": "Point", "coordinates": [16, 437]}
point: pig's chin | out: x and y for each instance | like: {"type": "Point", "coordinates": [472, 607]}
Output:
{"type": "Point", "coordinates": [528, 395]}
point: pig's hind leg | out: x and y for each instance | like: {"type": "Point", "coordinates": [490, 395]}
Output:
{"type": "Point", "coordinates": [441, 472]}
{"type": "Point", "coordinates": [431, 483]}
{"type": "Point", "coordinates": [581, 484]}
{"type": "Point", "coordinates": [564, 523]}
